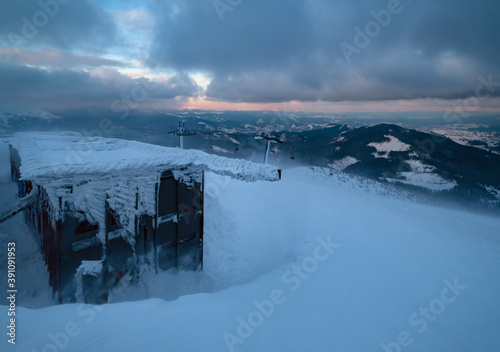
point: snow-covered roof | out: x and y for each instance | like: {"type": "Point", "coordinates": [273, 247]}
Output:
{"type": "Point", "coordinates": [52, 154]}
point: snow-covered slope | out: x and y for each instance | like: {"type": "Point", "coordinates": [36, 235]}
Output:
{"type": "Point", "coordinates": [305, 264]}
{"type": "Point", "coordinates": [479, 136]}
{"type": "Point", "coordinates": [13, 112]}
{"type": "Point", "coordinates": [385, 148]}
{"type": "Point", "coordinates": [12, 117]}
{"type": "Point", "coordinates": [424, 163]}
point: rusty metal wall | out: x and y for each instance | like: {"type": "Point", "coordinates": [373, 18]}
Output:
{"type": "Point", "coordinates": [179, 233]}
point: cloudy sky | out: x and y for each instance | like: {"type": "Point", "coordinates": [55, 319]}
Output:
{"type": "Point", "coordinates": [310, 55]}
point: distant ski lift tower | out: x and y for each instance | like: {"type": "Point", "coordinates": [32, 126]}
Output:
{"type": "Point", "coordinates": [271, 137]}
{"type": "Point", "coordinates": [181, 132]}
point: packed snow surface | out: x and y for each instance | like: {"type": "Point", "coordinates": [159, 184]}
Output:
{"type": "Point", "coordinates": [62, 153]}
{"type": "Point", "coordinates": [312, 263]}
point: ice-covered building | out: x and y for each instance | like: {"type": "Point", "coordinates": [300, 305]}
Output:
{"type": "Point", "coordinates": [102, 207]}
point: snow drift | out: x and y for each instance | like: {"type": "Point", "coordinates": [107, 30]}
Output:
{"type": "Point", "coordinates": [311, 263]}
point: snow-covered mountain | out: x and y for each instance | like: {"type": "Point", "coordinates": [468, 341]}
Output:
{"type": "Point", "coordinates": [319, 261]}
{"type": "Point", "coordinates": [14, 118]}
{"type": "Point", "coordinates": [474, 135]}
{"type": "Point", "coordinates": [415, 160]}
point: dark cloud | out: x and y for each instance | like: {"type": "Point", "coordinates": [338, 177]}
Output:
{"type": "Point", "coordinates": [271, 51]}
{"type": "Point", "coordinates": [256, 34]}
{"type": "Point", "coordinates": [53, 59]}
{"type": "Point", "coordinates": [59, 89]}
{"type": "Point", "coordinates": [255, 51]}
{"type": "Point", "coordinates": [66, 24]}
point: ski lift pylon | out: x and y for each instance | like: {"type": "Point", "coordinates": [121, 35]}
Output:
{"type": "Point", "coordinates": [181, 132]}
{"type": "Point", "coordinates": [270, 137]}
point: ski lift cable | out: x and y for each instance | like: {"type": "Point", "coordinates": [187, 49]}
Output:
{"type": "Point", "coordinates": [158, 133]}
{"type": "Point", "coordinates": [285, 144]}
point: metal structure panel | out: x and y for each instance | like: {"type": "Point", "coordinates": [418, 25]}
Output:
{"type": "Point", "coordinates": [179, 233]}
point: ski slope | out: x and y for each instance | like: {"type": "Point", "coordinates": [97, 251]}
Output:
{"type": "Point", "coordinates": [311, 263]}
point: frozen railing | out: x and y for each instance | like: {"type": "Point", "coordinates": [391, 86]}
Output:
{"type": "Point", "coordinates": [22, 204]}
